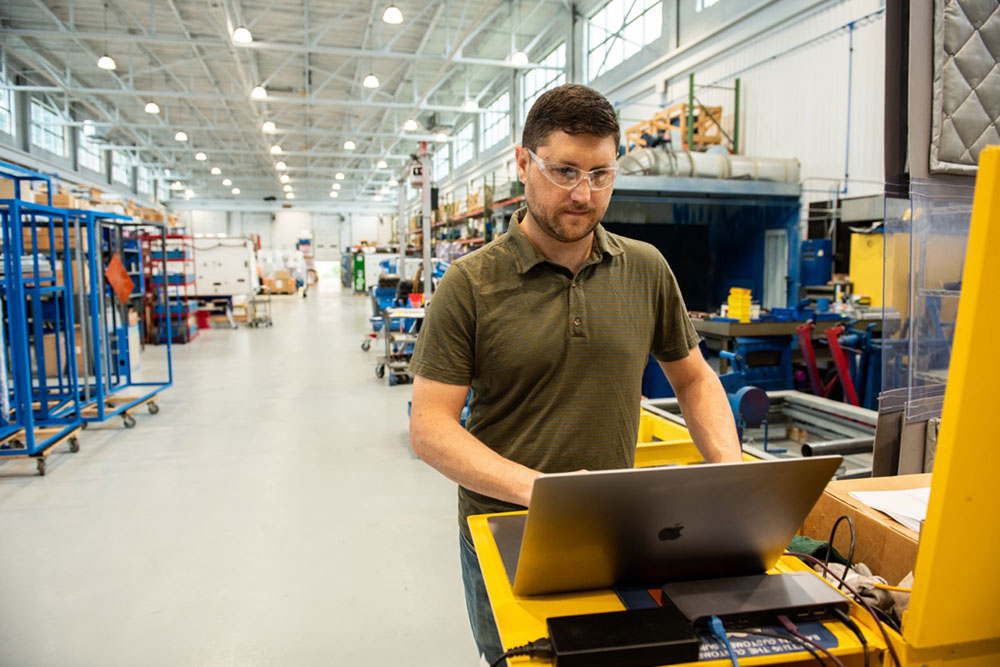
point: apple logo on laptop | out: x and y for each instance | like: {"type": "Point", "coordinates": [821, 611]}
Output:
{"type": "Point", "coordinates": [671, 532]}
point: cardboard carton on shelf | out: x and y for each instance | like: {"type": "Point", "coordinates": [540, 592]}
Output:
{"type": "Point", "coordinates": [58, 200]}
{"type": "Point", "coordinates": [889, 548]}
{"type": "Point", "coordinates": [52, 363]}
{"type": "Point", "coordinates": [44, 243]}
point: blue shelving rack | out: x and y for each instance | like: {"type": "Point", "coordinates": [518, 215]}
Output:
{"type": "Point", "coordinates": [42, 406]}
{"type": "Point", "coordinates": [109, 388]}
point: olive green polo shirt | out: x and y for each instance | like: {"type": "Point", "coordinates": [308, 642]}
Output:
{"type": "Point", "coordinates": [555, 361]}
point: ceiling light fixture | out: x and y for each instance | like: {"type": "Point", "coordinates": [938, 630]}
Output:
{"type": "Point", "coordinates": [394, 182]}
{"type": "Point", "coordinates": [410, 125]}
{"type": "Point", "coordinates": [235, 191]}
{"type": "Point", "coordinates": [336, 186]}
{"type": "Point", "coordinates": [268, 127]}
{"type": "Point", "coordinates": [242, 36]}
{"type": "Point", "coordinates": [289, 195]}
{"type": "Point", "coordinates": [176, 185]}
{"type": "Point", "coordinates": [519, 59]}
{"type": "Point", "coordinates": [339, 176]}
{"type": "Point", "coordinates": [107, 62]}
{"type": "Point", "coordinates": [349, 145]}
{"type": "Point", "coordinates": [152, 107]}
{"type": "Point", "coordinates": [371, 81]}
{"type": "Point", "coordinates": [440, 136]}
{"type": "Point", "coordinates": [188, 194]}
{"type": "Point", "coordinates": [181, 136]}
{"type": "Point", "coordinates": [334, 194]}
{"type": "Point", "coordinates": [382, 164]}
{"type": "Point", "coordinates": [258, 93]}
{"type": "Point", "coordinates": [285, 178]}
{"type": "Point", "coordinates": [227, 182]}
{"type": "Point", "coordinates": [200, 156]}
{"type": "Point", "coordinates": [275, 149]}
{"type": "Point", "coordinates": [288, 188]}
{"type": "Point", "coordinates": [470, 105]}
{"type": "Point", "coordinates": [281, 166]}
{"type": "Point", "coordinates": [216, 171]}
{"type": "Point", "coordinates": [392, 15]}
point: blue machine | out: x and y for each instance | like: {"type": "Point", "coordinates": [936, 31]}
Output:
{"type": "Point", "coordinates": [865, 363]}
{"type": "Point", "coordinates": [766, 361]}
{"type": "Point", "coordinates": [749, 404]}
{"type": "Point", "coordinates": [817, 261]}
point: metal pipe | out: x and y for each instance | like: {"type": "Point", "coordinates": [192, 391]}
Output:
{"type": "Point", "coordinates": [847, 446]}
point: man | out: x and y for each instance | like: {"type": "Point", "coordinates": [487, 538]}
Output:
{"type": "Point", "coordinates": [551, 325]}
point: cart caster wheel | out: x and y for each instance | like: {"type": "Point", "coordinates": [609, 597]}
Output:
{"type": "Point", "coordinates": [153, 408]}
{"type": "Point", "coordinates": [74, 445]}
{"type": "Point", "coordinates": [84, 425]}
{"type": "Point", "coordinates": [41, 467]}
{"type": "Point", "coordinates": [380, 371]}
{"type": "Point", "coordinates": [367, 345]}
{"type": "Point", "coordinates": [129, 421]}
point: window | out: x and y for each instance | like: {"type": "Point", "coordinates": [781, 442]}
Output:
{"type": "Point", "coordinates": [88, 153]}
{"type": "Point", "coordinates": [144, 180]}
{"type": "Point", "coordinates": [537, 81]}
{"type": "Point", "coordinates": [619, 30]}
{"type": "Point", "coordinates": [47, 129]}
{"type": "Point", "coordinates": [440, 165]}
{"type": "Point", "coordinates": [465, 148]}
{"type": "Point", "coordinates": [6, 109]}
{"type": "Point", "coordinates": [121, 168]}
{"type": "Point", "coordinates": [496, 123]}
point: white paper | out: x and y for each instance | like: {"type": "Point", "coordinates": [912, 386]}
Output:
{"type": "Point", "coordinates": [907, 506]}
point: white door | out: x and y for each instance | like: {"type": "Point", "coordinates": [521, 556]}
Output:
{"type": "Point", "coordinates": [775, 269]}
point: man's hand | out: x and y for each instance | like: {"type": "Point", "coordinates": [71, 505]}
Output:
{"type": "Point", "coordinates": [437, 437]}
{"type": "Point", "coordinates": [706, 408]}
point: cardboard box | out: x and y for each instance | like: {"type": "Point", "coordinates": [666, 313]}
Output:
{"type": "Point", "coordinates": [282, 274]}
{"type": "Point", "coordinates": [58, 200]}
{"type": "Point", "coordinates": [52, 367]}
{"type": "Point", "coordinates": [44, 245]}
{"type": "Point", "coordinates": [133, 317]}
{"type": "Point", "coordinates": [887, 547]}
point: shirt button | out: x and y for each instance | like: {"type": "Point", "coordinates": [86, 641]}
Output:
{"type": "Point", "coordinates": [577, 322]}
{"type": "Point", "coordinates": [572, 284]}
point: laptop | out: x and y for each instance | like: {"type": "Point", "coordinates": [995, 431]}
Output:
{"type": "Point", "coordinates": [594, 530]}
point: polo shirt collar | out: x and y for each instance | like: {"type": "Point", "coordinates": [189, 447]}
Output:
{"type": "Point", "coordinates": [527, 256]}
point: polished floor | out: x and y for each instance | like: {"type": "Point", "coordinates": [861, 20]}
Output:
{"type": "Point", "coordinates": [272, 513]}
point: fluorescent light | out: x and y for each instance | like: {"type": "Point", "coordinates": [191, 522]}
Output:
{"type": "Point", "coordinates": [410, 125]}
{"type": "Point", "coordinates": [392, 15]}
{"type": "Point", "coordinates": [288, 188]}
{"type": "Point", "coordinates": [152, 107]}
{"type": "Point", "coordinates": [268, 127]}
{"type": "Point", "coordinates": [470, 105]}
{"type": "Point", "coordinates": [349, 145]}
{"type": "Point", "coordinates": [107, 62]}
{"type": "Point", "coordinates": [258, 93]}
{"type": "Point", "coordinates": [339, 176]}
{"type": "Point", "coordinates": [334, 194]}
{"type": "Point", "coordinates": [216, 171]}
{"type": "Point", "coordinates": [227, 182]}
{"type": "Point", "coordinates": [181, 136]}
{"type": "Point", "coordinates": [242, 36]}
{"type": "Point", "coordinates": [235, 191]}
{"type": "Point", "coordinates": [285, 178]}
{"type": "Point", "coordinates": [188, 193]}
{"type": "Point", "coordinates": [336, 186]}
{"type": "Point", "coordinates": [176, 185]}
{"type": "Point", "coordinates": [371, 81]}
{"type": "Point", "coordinates": [519, 59]}
{"type": "Point", "coordinates": [200, 156]}
{"type": "Point", "coordinates": [440, 136]}
{"type": "Point", "coordinates": [275, 149]}
{"type": "Point", "coordinates": [382, 164]}
{"type": "Point", "coordinates": [289, 195]}
{"type": "Point", "coordinates": [281, 166]}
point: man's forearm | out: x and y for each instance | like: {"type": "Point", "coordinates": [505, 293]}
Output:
{"type": "Point", "coordinates": [454, 452]}
{"type": "Point", "coordinates": [710, 419]}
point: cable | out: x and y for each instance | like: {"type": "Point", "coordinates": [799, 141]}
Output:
{"type": "Point", "coordinates": [849, 622]}
{"type": "Point", "coordinates": [850, 553]}
{"type": "Point", "coordinates": [857, 596]}
{"type": "Point", "coordinates": [794, 630]}
{"type": "Point", "coordinates": [788, 638]}
{"type": "Point", "coordinates": [539, 647]}
{"type": "Point", "coordinates": [719, 630]}
{"type": "Point", "coordinates": [887, 587]}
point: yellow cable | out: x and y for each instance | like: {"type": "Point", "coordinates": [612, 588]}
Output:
{"type": "Point", "coordinates": [897, 589]}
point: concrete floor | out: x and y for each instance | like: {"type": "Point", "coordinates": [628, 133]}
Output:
{"type": "Point", "coordinates": [272, 513]}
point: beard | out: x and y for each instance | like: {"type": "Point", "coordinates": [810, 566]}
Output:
{"type": "Point", "coordinates": [562, 231]}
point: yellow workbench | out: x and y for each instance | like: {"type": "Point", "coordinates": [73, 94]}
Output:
{"type": "Point", "coordinates": [522, 619]}
{"type": "Point", "coordinates": [663, 442]}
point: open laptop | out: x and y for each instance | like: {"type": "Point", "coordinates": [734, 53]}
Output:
{"type": "Point", "coordinates": [654, 525]}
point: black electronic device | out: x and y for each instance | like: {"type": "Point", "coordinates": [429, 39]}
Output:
{"type": "Point", "coordinates": [755, 600]}
{"type": "Point", "coordinates": [633, 638]}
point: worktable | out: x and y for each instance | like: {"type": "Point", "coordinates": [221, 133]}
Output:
{"type": "Point", "coordinates": [522, 619]}
{"type": "Point", "coordinates": [719, 335]}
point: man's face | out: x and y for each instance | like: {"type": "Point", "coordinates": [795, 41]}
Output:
{"type": "Point", "coordinates": [567, 215]}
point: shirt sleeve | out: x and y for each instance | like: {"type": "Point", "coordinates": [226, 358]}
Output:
{"type": "Point", "coordinates": [673, 335]}
{"type": "Point", "coordinates": [445, 350]}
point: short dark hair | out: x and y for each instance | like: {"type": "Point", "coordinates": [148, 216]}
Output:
{"type": "Point", "coordinates": [572, 108]}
